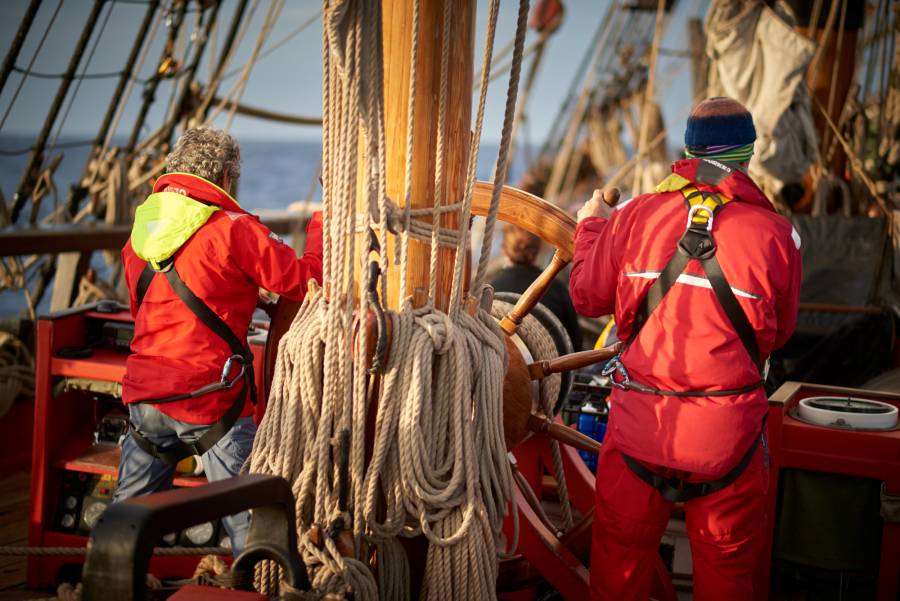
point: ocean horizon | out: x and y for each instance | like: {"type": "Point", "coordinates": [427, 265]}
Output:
{"type": "Point", "coordinates": [274, 174]}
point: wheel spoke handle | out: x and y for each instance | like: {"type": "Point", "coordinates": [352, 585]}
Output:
{"type": "Point", "coordinates": [542, 369]}
{"type": "Point", "coordinates": [538, 422]}
{"type": "Point", "coordinates": [533, 294]}
{"type": "Point", "coordinates": [547, 221]}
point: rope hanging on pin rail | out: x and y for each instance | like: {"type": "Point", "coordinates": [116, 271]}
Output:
{"type": "Point", "coordinates": [438, 465]}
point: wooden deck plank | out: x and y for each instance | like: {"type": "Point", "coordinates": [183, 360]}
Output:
{"type": "Point", "coordinates": [14, 494]}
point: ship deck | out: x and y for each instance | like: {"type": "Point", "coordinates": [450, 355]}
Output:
{"type": "Point", "coordinates": [14, 493]}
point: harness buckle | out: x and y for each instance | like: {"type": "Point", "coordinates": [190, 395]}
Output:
{"type": "Point", "coordinates": [615, 366]}
{"type": "Point", "coordinates": [226, 370]}
{"type": "Point", "coordinates": [697, 243]}
{"type": "Point", "coordinates": [692, 212]}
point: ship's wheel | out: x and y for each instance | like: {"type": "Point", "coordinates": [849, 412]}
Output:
{"type": "Point", "coordinates": [544, 552]}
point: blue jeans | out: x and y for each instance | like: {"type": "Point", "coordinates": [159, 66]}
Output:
{"type": "Point", "coordinates": [141, 473]}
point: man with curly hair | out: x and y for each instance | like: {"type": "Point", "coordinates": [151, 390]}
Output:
{"type": "Point", "coordinates": [194, 266]}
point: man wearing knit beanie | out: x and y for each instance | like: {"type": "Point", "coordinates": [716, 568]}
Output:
{"type": "Point", "coordinates": [703, 278]}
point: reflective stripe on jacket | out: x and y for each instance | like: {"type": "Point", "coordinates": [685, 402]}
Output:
{"type": "Point", "coordinates": [224, 262]}
{"type": "Point", "coordinates": [688, 342]}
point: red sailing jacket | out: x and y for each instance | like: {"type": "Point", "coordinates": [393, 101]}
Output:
{"type": "Point", "coordinates": [688, 342]}
{"type": "Point", "coordinates": [224, 263]}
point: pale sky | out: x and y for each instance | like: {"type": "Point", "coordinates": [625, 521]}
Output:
{"type": "Point", "coordinates": [289, 80]}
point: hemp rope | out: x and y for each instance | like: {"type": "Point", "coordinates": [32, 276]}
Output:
{"type": "Point", "coordinates": [439, 402]}
{"type": "Point", "coordinates": [541, 345]}
{"type": "Point", "coordinates": [16, 372]}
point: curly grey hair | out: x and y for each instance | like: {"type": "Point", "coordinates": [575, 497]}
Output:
{"type": "Point", "coordinates": [210, 153]}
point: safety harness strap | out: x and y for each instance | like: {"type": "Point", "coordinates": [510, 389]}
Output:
{"type": "Point", "coordinates": [732, 308]}
{"type": "Point", "coordinates": [657, 291]}
{"type": "Point", "coordinates": [697, 243]}
{"type": "Point", "coordinates": [203, 312]}
{"type": "Point", "coordinates": [143, 284]}
{"type": "Point", "coordinates": [679, 491]}
{"type": "Point", "coordinates": [175, 453]}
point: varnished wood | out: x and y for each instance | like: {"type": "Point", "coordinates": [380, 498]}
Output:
{"type": "Point", "coordinates": [518, 397]}
{"type": "Point", "coordinates": [572, 361]}
{"type": "Point", "coordinates": [397, 35]}
{"type": "Point", "coordinates": [533, 294]}
{"type": "Point", "coordinates": [531, 213]}
{"type": "Point", "coordinates": [517, 573]}
{"type": "Point", "coordinates": [538, 422]}
{"type": "Point", "coordinates": [535, 215]}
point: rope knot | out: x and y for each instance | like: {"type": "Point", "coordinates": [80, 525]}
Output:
{"type": "Point", "coordinates": [393, 217]}
{"type": "Point", "coordinates": [440, 328]}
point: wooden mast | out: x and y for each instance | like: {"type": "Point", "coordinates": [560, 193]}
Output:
{"type": "Point", "coordinates": [397, 35]}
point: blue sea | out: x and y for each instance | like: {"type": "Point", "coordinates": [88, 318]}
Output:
{"type": "Point", "coordinates": [274, 173]}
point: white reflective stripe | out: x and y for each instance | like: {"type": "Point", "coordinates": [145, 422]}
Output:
{"type": "Point", "coordinates": [795, 236]}
{"type": "Point", "coordinates": [690, 280]}
{"type": "Point", "coordinates": [647, 275]}
{"type": "Point", "coordinates": [621, 205]}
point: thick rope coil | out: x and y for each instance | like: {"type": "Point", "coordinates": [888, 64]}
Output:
{"type": "Point", "coordinates": [16, 371]}
{"type": "Point", "coordinates": [541, 345]}
{"type": "Point", "coordinates": [438, 464]}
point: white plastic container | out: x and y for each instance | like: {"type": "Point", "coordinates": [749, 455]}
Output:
{"type": "Point", "coordinates": [848, 412]}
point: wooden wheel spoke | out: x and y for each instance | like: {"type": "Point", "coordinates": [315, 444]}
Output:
{"type": "Point", "coordinates": [572, 361]}
{"type": "Point", "coordinates": [546, 221]}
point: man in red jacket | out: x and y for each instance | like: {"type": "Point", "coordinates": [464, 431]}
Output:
{"type": "Point", "coordinates": [194, 266]}
{"type": "Point", "coordinates": [703, 277]}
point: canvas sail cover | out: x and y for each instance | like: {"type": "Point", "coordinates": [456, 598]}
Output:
{"type": "Point", "coordinates": [758, 59]}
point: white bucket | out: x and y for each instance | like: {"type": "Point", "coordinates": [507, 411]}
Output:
{"type": "Point", "coordinates": [848, 412]}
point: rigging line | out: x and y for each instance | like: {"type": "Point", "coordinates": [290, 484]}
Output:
{"type": "Point", "coordinates": [505, 67]}
{"type": "Point", "coordinates": [239, 27]}
{"type": "Point", "coordinates": [189, 44]}
{"type": "Point", "coordinates": [887, 53]}
{"type": "Point", "coordinates": [116, 98]}
{"type": "Point", "coordinates": [41, 75]}
{"type": "Point", "coordinates": [498, 56]}
{"type": "Point", "coordinates": [26, 181]}
{"type": "Point", "coordinates": [87, 65]}
{"type": "Point", "coordinates": [213, 44]}
{"type": "Point", "coordinates": [120, 109]}
{"type": "Point", "coordinates": [37, 51]}
{"type": "Point", "coordinates": [288, 37]}
{"type": "Point", "coordinates": [266, 30]}
{"type": "Point", "coordinates": [233, 94]}
{"type": "Point", "coordinates": [178, 110]}
{"type": "Point", "coordinates": [21, 151]}
{"type": "Point", "coordinates": [579, 75]}
{"type": "Point", "coordinates": [832, 88]}
{"type": "Point", "coordinates": [19, 40]}
{"type": "Point", "coordinates": [174, 22]}
{"type": "Point", "coordinates": [224, 57]}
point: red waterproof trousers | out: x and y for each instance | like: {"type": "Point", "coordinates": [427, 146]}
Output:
{"type": "Point", "coordinates": [726, 531]}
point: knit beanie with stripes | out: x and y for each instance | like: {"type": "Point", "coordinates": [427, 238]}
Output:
{"type": "Point", "coordinates": [720, 128]}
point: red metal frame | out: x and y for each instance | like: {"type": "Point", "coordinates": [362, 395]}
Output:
{"type": "Point", "coordinates": [63, 430]}
{"type": "Point", "coordinates": [799, 445]}
{"type": "Point", "coordinates": [541, 547]}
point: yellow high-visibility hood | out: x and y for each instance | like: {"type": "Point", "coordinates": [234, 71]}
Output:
{"type": "Point", "coordinates": [164, 222]}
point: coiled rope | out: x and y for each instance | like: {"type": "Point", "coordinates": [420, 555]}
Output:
{"type": "Point", "coordinates": [541, 345]}
{"type": "Point", "coordinates": [438, 465]}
